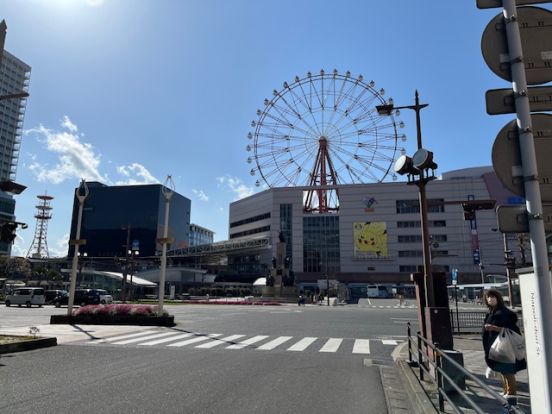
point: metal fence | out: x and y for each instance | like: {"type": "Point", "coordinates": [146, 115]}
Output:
{"type": "Point", "coordinates": [432, 362]}
{"type": "Point", "coordinates": [466, 322]}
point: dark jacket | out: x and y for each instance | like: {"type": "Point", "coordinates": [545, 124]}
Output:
{"type": "Point", "coordinates": [505, 318]}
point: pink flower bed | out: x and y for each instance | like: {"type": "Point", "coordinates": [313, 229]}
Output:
{"type": "Point", "coordinates": [119, 309]}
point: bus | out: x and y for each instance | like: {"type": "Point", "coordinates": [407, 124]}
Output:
{"type": "Point", "coordinates": [474, 292]}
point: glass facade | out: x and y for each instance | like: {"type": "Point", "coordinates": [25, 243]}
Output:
{"type": "Point", "coordinates": [321, 244]}
{"type": "Point", "coordinates": [109, 210]}
{"type": "Point", "coordinates": [413, 206]}
{"type": "Point", "coordinates": [285, 228]}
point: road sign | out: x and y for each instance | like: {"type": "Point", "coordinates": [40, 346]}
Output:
{"type": "Point", "coordinates": [501, 101]}
{"type": "Point", "coordinates": [454, 276]}
{"type": "Point", "coordinates": [491, 4]}
{"type": "Point", "coordinates": [507, 158]}
{"type": "Point", "coordinates": [513, 219]}
{"type": "Point", "coordinates": [535, 26]}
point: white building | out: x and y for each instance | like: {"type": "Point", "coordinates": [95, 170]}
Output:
{"type": "Point", "coordinates": [375, 237]}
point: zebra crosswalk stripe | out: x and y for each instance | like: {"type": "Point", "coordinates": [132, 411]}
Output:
{"type": "Point", "coordinates": [142, 338]}
{"type": "Point", "coordinates": [302, 344]}
{"type": "Point", "coordinates": [361, 346]}
{"type": "Point", "coordinates": [195, 340]}
{"type": "Point", "coordinates": [274, 343]}
{"type": "Point", "coordinates": [220, 341]}
{"type": "Point", "coordinates": [117, 338]}
{"type": "Point", "coordinates": [247, 342]}
{"type": "Point", "coordinates": [331, 345]}
{"type": "Point", "coordinates": [169, 339]}
{"type": "Point", "coordinates": [389, 342]}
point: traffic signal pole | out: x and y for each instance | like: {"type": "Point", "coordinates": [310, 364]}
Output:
{"type": "Point", "coordinates": [541, 307]}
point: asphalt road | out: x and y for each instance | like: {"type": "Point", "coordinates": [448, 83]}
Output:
{"type": "Point", "coordinates": [132, 376]}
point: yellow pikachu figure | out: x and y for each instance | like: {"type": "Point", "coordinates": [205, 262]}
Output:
{"type": "Point", "coordinates": [371, 237]}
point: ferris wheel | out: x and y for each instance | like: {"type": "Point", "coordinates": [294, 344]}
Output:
{"type": "Point", "coordinates": [323, 130]}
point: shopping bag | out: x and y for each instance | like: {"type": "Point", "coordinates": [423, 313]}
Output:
{"type": "Point", "coordinates": [502, 349]}
{"type": "Point", "coordinates": [518, 343]}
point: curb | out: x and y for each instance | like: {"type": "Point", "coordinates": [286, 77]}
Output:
{"type": "Point", "coordinates": [113, 320]}
{"type": "Point", "coordinates": [419, 400]}
{"type": "Point", "coordinates": [28, 345]}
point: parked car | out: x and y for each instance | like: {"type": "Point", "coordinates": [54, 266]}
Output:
{"type": "Point", "coordinates": [85, 297]}
{"type": "Point", "coordinates": [50, 295]}
{"type": "Point", "coordinates": [27, 296]}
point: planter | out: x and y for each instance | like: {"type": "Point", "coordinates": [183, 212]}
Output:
{"type": "Point", "coordinates": [113, 320]}
{"type": "Point", "coordinates": [27, 345]}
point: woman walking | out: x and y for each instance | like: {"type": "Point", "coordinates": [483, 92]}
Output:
{"type": "Point", "coordinates": [501, 317]}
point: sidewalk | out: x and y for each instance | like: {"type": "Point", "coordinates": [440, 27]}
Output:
{"type": "Point", "coordinates": [422, 396]}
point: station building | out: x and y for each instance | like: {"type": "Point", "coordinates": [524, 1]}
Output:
{"type": "Point", "coordinates": [375, 235]}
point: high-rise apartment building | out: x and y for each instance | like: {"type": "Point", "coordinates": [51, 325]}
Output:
{"type": "Point", "coordinates": [14, 78]}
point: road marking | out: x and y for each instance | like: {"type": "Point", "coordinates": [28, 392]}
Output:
{"type": "Point", "coordinates": [361, 346]}
{"type": "Point", "coordinates": [172, 338]}
{"type": "Point", "coordinates": [194, 340]}
{"type": "Point", "coordinates": [332, 345]}
{"type": "Point", "coordinates": [116, 338]}
{"type": "Point", "coordinates": [142, 338]}
{"type": "Point", "coordinates": [274, 343]}
{"type": "Point", "coordinates": [220, 341]}
{"type": "Point", "coordinates": [389, 342]}
{"type": "Point", "coordinates": [302, 344]}
{"type": "Point", "coordinates": [247, 342]}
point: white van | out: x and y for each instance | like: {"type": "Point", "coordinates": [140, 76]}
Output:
{"type": "Point", "coordinates": [27, 296]}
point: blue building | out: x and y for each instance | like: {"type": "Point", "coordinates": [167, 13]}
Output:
{"type": "Point", "coordinates": [112, 214]}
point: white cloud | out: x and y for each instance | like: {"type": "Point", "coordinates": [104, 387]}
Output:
{"type": "Point", "coordinates": [60, 246]}
{"type": "Point", "coordinates": [76, 159]}
{"type": "Point", "coordinates": [201, 195]}
{"type": "Point", "coordinates": [236, 186]}
{"type": "Point", "coordinates": [135, 173]}
{"type": "Point", "coordinates": [18, 247]}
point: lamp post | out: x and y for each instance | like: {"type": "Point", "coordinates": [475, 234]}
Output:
{"type": "Point", "coordinates": [132, 254]}
{"type": "Point", "coordinates": [420, 169]}
{"type": "Point", "coordinates": [168, 191]}
{"type": "Point", "coordinates": [82, 257]}
{"type": "Point", "coordinates": [81, 193]}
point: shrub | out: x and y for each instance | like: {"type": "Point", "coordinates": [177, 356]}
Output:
{"type": "Point", "coordinates": [119, 309]}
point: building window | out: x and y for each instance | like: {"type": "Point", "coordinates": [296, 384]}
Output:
{"type": "Point", "coordinates": [321, 244]}
{"type": "Point", "coordinates": [411, 268]}
{"type": "Point", "coordinates": [438, 238]}
{"type": "Point", "coordinates": [410, 238]}
{"type": "Point", "coordinates": [410, 253]}
{"type": "Point", "coordinates": [249, 232]}
{"type": "Point", "coordinates": [439, 253]}
{"type": "Point", "coordinates": [416, 224]}
{"type": "Point", "coordinates": [285, 227]}
{"type": "Point", "coordinates": [407, 206]}
{"type": "Point", "coordinates": [250, 220]}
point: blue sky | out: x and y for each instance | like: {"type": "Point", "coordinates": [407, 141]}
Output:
{"type": "Point", "coordinates": [128, 91]}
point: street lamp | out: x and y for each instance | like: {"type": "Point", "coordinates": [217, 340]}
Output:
{"type": "Point", "coordinates": [168, 191]}
{"type": "Point", "coordinates": [81, 265]}
{"type": "Point", "coordinates": [132, 254]}
{"type": "Point", "coordinates": [419, 165]}
{"type": "Point", "coordinates": [420, 169]}
{"type": "Point", "coordinates": [81, 193]}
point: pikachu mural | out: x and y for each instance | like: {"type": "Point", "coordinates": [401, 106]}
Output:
{"type": "Point", "coordinates": [370, 237]}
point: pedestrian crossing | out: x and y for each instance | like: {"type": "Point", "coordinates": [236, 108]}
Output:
{"type": "Point", "coordinates": [196, 340]}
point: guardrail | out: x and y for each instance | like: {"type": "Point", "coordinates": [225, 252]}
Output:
{"type": "Point", "coordinates": [430, 358]}
{"type": "Point", "coordinates": [466, 321]}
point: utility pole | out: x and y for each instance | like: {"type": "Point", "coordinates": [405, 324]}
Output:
{"type": "Point", "coordinates": [125, 267]}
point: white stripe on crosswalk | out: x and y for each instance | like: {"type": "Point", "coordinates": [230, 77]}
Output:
{"type": "Point", "coordinates": [361, 346]}
{"type": "Point", "coordinates": [172, 338]}
{"type": "Point", "coordinates": [116, 338]}
{"type": "Point", "coordinates": [389, 342]}
{"type": "Point", "coordinates": [302, 344]}
{"type": "Point", "coordinates": [332, 345]}
{"type": "Point", "coordinates": [274, 343]}
{"type": "Point", "coordinates": [247, 342]}
{"type": "Point", "coordinates": [195, 340]}
{"type": "Point", "coordinates": [220, 341]}
{"type": "Point", "coordinates": [143, 338]}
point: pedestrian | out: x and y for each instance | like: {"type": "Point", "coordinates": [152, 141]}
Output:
{"type": "Point", "coordinates": [501, 317]}
{"type": "Point", "coordinates": [300, 301]}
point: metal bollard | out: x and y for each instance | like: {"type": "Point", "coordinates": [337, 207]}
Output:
{"type": "Point", "coordinates": [409, 343]}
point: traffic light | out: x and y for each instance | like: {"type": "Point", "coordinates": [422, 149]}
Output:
{"type": "Point", "coordinates": [7, 232]}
